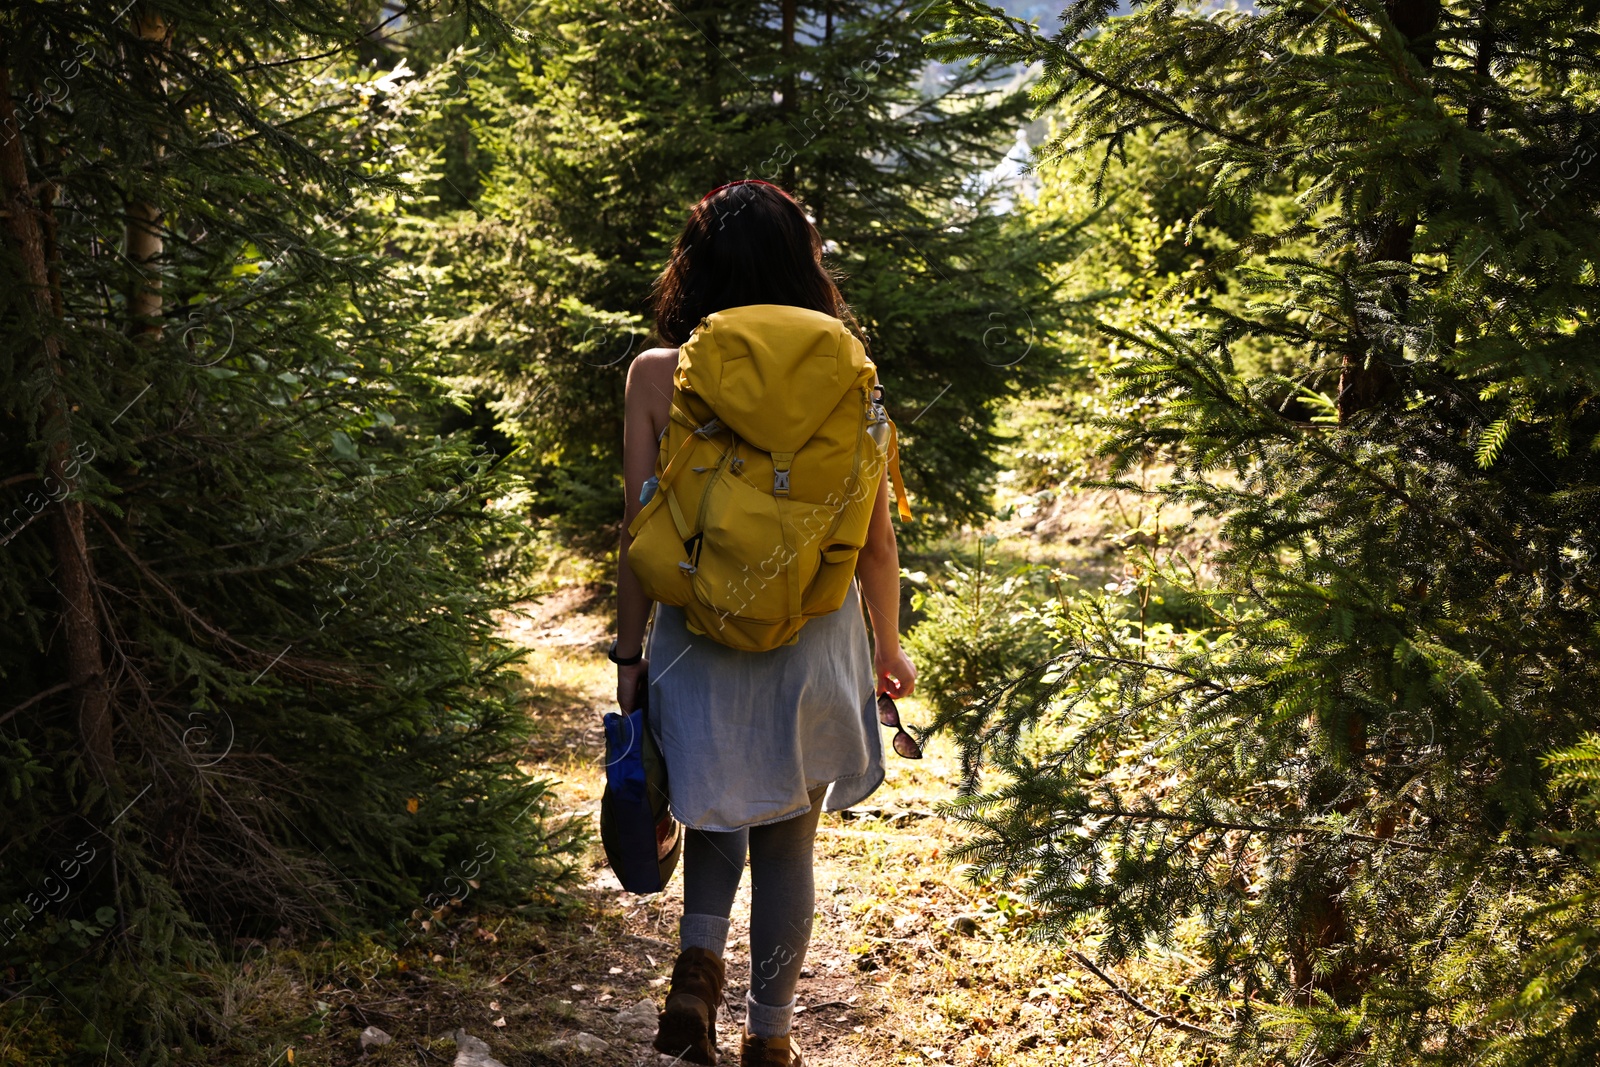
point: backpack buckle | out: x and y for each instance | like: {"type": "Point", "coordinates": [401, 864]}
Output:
{"type": "Point", "coordinates": [780, 472]}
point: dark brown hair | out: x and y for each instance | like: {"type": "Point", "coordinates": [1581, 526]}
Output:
{"type": "Point", "coordinates": [745, 243]}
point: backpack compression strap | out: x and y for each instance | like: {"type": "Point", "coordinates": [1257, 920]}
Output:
{"type": "Point", "coordinates": [895, 480]}
{"type": "Point", "coordinates": [674, 467]}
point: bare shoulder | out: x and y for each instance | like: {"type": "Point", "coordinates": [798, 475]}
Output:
{"type": "Point", "coordinates": [653, 366]}
{"type": "Point", "coordinates": [650, 385]}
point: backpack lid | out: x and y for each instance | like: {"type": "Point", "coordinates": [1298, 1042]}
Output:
{"type": "Point", "coordinates": [771, 372]}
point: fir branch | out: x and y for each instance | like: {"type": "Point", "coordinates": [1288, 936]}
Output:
{"type": "Point", "coordinates": [1160, 1017]}
{"type": "Point", "coordinates": [1276, 830]}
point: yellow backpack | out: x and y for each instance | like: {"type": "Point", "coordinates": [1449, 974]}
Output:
{"type": "Point", "coordinates": [767, 474]}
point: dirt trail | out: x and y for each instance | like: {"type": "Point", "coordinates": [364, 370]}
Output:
{"type": "Point", "coordinates": [909, 962]}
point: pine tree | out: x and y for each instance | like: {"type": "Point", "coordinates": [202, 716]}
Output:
{"type": "Point", "coordinates": [1347, 784]}
{"type": "Point", "coordinates": [249, 671]}
{"type": "Point", "coordinates": [587, 147]}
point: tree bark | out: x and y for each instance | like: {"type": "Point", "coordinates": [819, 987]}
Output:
{"type": "Point", "coordinates": [1366, 379]}
{"type": "Point", "coordinates": [788, 105]}
{"type": "Point", "coordinates": [143, 240]}
{"type": "Point", "coordinates": [1487, 43]}
{"type": "Point", "coordinates": [26, 225]}
{"type": "Point", "coordinates": [1416, 19]}
{"type": "Point", "coordinates": [712, 78]}
{"type": "Point", "coordinates": [143, 228]}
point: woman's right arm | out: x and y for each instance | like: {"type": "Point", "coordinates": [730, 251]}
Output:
{"type": "Point", "coordinates": [648, 398]}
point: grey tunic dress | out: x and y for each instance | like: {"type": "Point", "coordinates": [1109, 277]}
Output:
{"type": "Point", "coordinates": [746, 735]}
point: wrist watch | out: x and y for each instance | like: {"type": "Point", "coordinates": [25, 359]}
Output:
{"type": "Point", "coordinates": [621, 661]}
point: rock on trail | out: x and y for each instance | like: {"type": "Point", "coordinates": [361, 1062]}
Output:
{"type": "Point", "coordinates": [473, 1052]}
{"type": "Point", "coordinates": [578, 1042]}
{"type": "Point", "coordinates": [372, 1036]}
{"type": "Point", "coordinates": [637, 1024]}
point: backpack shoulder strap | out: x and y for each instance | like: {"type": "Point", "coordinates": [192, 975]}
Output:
{"type": "Point", "coordinates": [669, 473]}
{"type": "Point", "coordinates": [898, 484]}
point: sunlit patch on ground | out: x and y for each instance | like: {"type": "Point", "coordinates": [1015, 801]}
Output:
{"type": "Point", "coordinates": [910, 962]}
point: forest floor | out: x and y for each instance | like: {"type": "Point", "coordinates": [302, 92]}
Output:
{"type": "Point", "coordinates": [911, 962]}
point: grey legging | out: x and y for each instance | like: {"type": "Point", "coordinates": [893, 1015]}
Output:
{"type": "Point", "coordinates": [782, 892]}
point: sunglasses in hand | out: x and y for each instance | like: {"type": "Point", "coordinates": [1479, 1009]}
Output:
{"type": "Point", "coordinates": [904, 744]}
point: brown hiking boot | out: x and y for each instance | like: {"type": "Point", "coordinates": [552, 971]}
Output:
{"type": "Point", "coordinates": [687, 1027]}
{"type": "Point", "coordinates": [768, 1051]}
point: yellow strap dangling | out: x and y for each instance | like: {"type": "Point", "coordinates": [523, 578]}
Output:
{"type": "Point", "coordinates": [895, 480]}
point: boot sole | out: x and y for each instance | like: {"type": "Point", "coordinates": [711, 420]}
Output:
{"type": "Point", "coordinates": [681, 1032]}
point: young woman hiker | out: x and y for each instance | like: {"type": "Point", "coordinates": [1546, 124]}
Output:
{"type": "Point", "coordinates": [757, 743]}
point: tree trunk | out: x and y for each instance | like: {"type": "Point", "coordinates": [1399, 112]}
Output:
{"type": "Point", "coordinates": [1487, 43]}
{"type": "Point", "coordinates": [26, 225]}
{"type": "Point", "coordinates": [1326, 923]}
{"type": "Point", "coordinates": [1416, 19]}
{"type": "Point", "coordinates": [788, 82]}
{"type": "Point", "coordinates": [1366, 379]}
{"type": "Point", "coordinates": [143, 240]}
{"type": "Point", "coordinates": [712, 79]}
{"type": "Point", "coordinates": [143, 228]}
